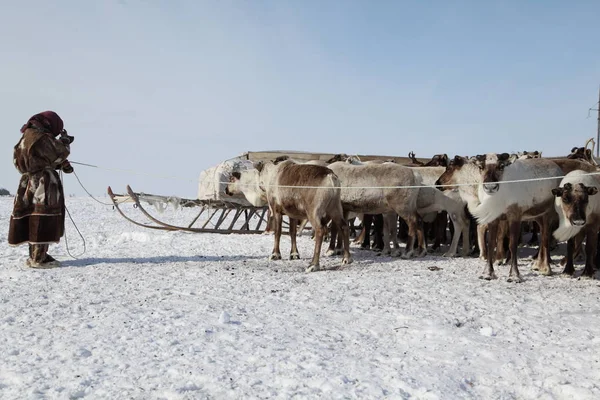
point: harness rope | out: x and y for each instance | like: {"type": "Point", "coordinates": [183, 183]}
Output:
{"type": "Point", "coordinates": [75, 225]}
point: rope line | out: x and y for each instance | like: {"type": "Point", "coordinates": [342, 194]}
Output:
{"type": "Point", "coordinates": [89, 194]}
{"type": "Point", "coordinates": [360, 187]}
{"type": "Point", "coordinates": [75, 225]}
{"type": "Point", "coordinates": [133, 172]}
{"type": "Point", "coordinates": [80, 235]}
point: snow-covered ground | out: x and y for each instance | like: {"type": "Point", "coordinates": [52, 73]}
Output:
{"type": "Point", "coordinates": [156, 315]}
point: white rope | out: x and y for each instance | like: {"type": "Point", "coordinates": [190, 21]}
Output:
{"type": "Point", "coordinates": [545, 178]}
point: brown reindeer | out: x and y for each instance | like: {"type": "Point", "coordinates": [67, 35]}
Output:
{"type": "Point", "coordinates": [578, 208]}
{"type": "Point", "coordinates": [299, 191]}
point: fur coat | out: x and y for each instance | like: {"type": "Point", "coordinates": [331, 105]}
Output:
{"type": "Point", "coordinates": [38, 215]}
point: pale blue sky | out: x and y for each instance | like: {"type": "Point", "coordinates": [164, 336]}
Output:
{"type": "Point", "coordinates": [174, 87]}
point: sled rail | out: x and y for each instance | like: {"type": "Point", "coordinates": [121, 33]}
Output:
{"type": "Point", "coordinates": [222, 217]}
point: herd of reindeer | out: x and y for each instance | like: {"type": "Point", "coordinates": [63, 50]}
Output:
{"type": "Point", "coordinates": [497, 195]}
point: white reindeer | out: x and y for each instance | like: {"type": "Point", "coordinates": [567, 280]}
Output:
{"type": "Point", "coordinates": [516, 202]}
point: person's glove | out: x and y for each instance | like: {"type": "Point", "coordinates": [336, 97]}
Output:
{"type": "Point", "coordinates": [65, 137]}
{"type": "Point", "coordinates": [66, 167]}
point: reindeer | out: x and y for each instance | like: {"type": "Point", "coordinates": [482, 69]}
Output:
{"type": "Point", "coordinates": [363, 191]}
{"type": "Point", "coordinates": [579, 216]}
{"type": "Point", "coordinates": [298, 191]}
{"type": "Point", "coordinates": [431, 200]}
{"type": "Point", "coordinates": [462, 171]}
{"type": "Point", "coordinates": [515, 202]}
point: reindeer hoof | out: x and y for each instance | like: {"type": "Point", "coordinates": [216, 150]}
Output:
{"type": "Point", "coordinates": [275, 257]}
{"type": "Point", "coordinates": [422, 253]}
{"type": "Point", "coordinates": [534, 266]}
{"type": "Point", "coordinates": [294, 256]}
{"type": "Point", "coordinates": [313, 268]}
{"type": "Point", "coordinates": [449, 254]}
{"type": "Point", "coordinates": [330, 253]}
{"type": "Point", "coordinates": [488, 277]}
{"type": "Point", "coordinates": [546, 272]}
{"type": "Point", "coordinates": [515, 279]}
{"type": "Point", "coordinates": [347, 261]}
{"type": "Point", "coordinates": [588, 273]}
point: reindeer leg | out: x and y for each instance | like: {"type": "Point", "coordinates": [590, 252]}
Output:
{"type": "Point", "coordinates": [590, 250]}
{"type": "Point", "coordinates": [386, 234]}
{"type": "Point", "coordinates": [352, 231]}
{"type": "Point", "coordinates": [344, 230]}
{"type": "Point", "coordinates": [466, 234]}
{"type": "Point", "coordinates": [367, 222]}
{"type": "Point", "coordinates": [514, 229]}
{"type": "Point", "coordinates": [331, 251]}
{"type": "Point", "coordinates": [578, 252]}
{"type": "Point", "coordinates": [458, 228]}
{"type": "Point", "coordinates": [488, 272]}
{"type": "Point", "coordinates": [319, 233]}
{"type": "Point", "coordinates": [481, 241]}
{"type": "Point", "coordinates": [339, 247]}
{"type": "Point", "coordinates": [393, 227]}
{"type": "Point", "coordinates": [543, 260]}
{"type": "Point", "coordinates": [569, 267]}
{"type": "Point", "coordinates": [276, 224]}
{"type": "Point", "coordinates": [294, 255]}
{"type": "Point", "coordinates": [415, 229]}
{"type": "Point", "coordinates": [378, 232]}
{"type": "Point", "coordinates": [534, 235]}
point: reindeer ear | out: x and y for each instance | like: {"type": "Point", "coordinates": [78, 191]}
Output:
{"type": "Point", "coordinates": [512, 158]}
{"type": "Point", "coordinates": [573, 150]}
{"type": "Point", "coordinates": [503, 156]}
{"type": "Point", "coordinates": [592, 190]}
{"type": "Point", "coordinates": [557, 192]}
{"type": "Point", "coordinates": [259, 166]}
{"type": "Point", "coordinates": [236, 175]}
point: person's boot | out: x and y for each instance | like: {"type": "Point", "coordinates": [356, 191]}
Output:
{"type": "Point", "coordinates": [49, 262]}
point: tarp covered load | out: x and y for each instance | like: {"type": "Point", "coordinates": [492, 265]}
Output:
{"type": "Point", "coordinates": [212, 181]}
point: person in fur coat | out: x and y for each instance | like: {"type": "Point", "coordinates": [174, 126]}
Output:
{"type": "Point", "coordinates": [38, 216]}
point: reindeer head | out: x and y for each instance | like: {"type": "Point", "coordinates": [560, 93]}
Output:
{"type": "Point", "coordinates": [354, 160]}
{"type": "Point", "coordinates": [439, 160]}
{"type": "Point", "coordinates": [247, 183]}
{"type": "Point", "coordinates": [233, 185]}
{"type": "Point", "coordinates": [492, 169]}
{"type": "Point", "coordinates": [337, 157]}
{"type": "Point", "coordinates": [281, 159]}
{"type": "Point", "coordinates": [526, 155]}
{"type": "Point", "coordinates": [574, 201]}
{"type": "Point", "coordinates": [448, 177]}
{"type": "Point", "coordinates": [581, 153]}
